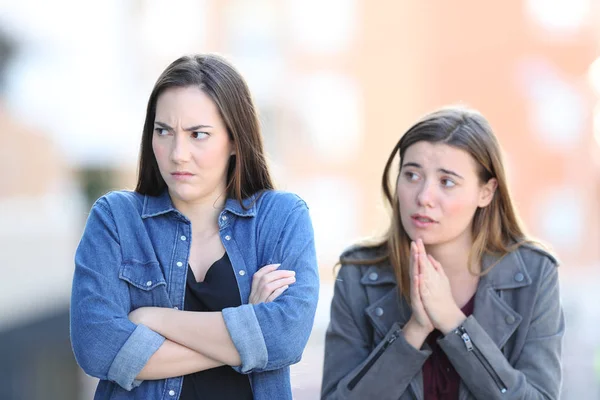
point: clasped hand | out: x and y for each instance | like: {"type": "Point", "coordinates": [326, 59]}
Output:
{"type": "Point", "coordinates": [433, 306]}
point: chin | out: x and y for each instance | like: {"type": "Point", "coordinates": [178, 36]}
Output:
{"type": "Point", "coordinates": [427, 238]}
{"type": "Point", "coordinates": [184, 195]}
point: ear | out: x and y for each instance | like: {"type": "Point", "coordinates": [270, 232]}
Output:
{"type": "Point", "coordinates": [486, 192]}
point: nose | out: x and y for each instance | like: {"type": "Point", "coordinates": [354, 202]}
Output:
{"type": "Point", "coordinates": [180, 152]}
{"type": "Point", "coordinates": [426, 195]}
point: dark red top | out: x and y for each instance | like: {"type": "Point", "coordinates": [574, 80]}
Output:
{"type": "Point", "coordinates": [440, 379]}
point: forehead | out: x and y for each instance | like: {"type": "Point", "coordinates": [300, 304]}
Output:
{"type": "Point", "coordinates": [188, 103]}
{"type": "Point", "coordinates": [439, 155]}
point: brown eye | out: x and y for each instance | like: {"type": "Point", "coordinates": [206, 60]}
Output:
{"type": "Point", "coordinates": [411, 176]}
{"type": "Point", "coordinates": [446, 182]}
{"type": "Point", "coordinates": [199, 135]}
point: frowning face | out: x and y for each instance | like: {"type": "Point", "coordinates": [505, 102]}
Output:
{"type": "Point", "coordinates": [191, 145]}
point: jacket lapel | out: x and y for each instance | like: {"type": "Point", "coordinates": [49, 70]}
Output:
{"type": "Point", "coordinates": [385, 306]}
{"type": "Point", "coordinates": [388, 307]}
{"type": "Point", "coordinates": [492, 312]}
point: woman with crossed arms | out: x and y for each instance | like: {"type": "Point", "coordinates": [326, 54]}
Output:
{"type": "Point", "coordinates": [202, 283]}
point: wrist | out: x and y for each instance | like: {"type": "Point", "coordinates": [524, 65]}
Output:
{"type": "Point", "coordinates": [415, 334]}
{"type": "Point", "coordinates": [452, 322]}
{"type": "Point", "coordinates": [414, 326]}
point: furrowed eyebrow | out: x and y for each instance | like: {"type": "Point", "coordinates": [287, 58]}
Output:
{"type": "Point", "coordinates": [190, 129]}
{"type": "Point", "coordinates": [442, 170]}
{"type": "Point", "coordinates": [412, 164]}
{"type": "Point", "coordinates": [197, 128]}
{"type": "Point", "coordinates": [449, 172]}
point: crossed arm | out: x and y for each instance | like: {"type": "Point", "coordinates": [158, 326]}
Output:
{"type": "Point", "coordinates": [197, 341]}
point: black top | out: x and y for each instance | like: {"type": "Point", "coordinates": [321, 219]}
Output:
{"type": "Point", "coordinates": [218, 291]}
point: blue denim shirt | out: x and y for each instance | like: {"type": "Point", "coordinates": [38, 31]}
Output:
{"type": "Point", "coordinates": [134, 253]}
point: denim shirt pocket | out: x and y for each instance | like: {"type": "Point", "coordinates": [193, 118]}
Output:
{"type": "Point", "coordinates": [147, 284]}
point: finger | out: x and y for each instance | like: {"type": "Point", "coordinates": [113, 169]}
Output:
{"type": "Point", "coordinates": [266, 269]}
{"type": "Point", "coordinates": [269, 283]}
{"type": "Point", "coordinates": [423, 266]}
{"type": "Point", "coordinates": [412, 264]}
{"type": "Point", "coordinates": [424, 263]}
{"type": "Point", "coordinates": [423, 289]}
{"type": "Point", "coordinates": [414, 290]}
{"type": "Point", "coordinates": [260, 273]}
{"type": "Point", "coordinates": [436, 265]}
{"type": "Point", "coordinates": [415, 261]}
{"type": "Point", "coordinates": [417, 302]}
{"type": "Point", "coordinates": [276, 294]}
{"type": "Point", "coordinates": [273, 286]}
{"type": "Point", "coordinates": [421, 247]}
{"type": "Point", "coordinates": [275, 276]}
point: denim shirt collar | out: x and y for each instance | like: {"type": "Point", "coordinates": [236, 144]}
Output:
{"type": "Point", "coordinates": [157, 205]}
{"type": "Point", "coordinates": [162, 204]}
{"type": "Point", "coordinates": [248, 209]}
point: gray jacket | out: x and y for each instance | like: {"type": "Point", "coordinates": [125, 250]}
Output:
{"type": "Point", "coordinates": [510, 348]}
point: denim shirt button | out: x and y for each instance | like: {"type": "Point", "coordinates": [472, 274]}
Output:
{"type": "Point", "coordinates": [224, 217]}
{"type": "Point", "coordinates": [519, 277]}
{"type": "Point", "coordinates": [149, 283]}
{"type": "Point", "coordinates": [510, 319]}
{"type": "Point", "coordinates": [171, 393]}
{"type": "Point", "coordinates": [179, 264]}
{"type": "Point", "coordinates": [183, 238]}
{"type": "Point", "coordinates": [227, 237]}
{"type": "Point", "coordinates": [379, 311]}
{"type": "Point", "coordinates": [242, 272]}
{"type": "Point", "coordinates": [373, 276]}
{"type": "Point", "coordinates": [176, 308]}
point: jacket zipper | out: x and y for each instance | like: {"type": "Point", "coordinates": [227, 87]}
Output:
{"type": "Point", "coordinates": [462, 332]}
{"type": "Point", "coordinates": [395, 335]}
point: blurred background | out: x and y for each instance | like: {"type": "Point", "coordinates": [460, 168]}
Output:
{"type": "Point", "coordinates": [337, 82]}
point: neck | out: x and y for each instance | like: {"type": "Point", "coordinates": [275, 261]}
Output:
{"type": "Point", "coordinates": [202, 213]}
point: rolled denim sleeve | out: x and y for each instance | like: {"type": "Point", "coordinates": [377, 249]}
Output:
{"type": "Point", "coordinates": [106, 344]}
{"type": "Point", "coordinates": [273, 335]}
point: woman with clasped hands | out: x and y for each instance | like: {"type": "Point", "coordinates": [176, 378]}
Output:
{"type": "Point", "coordinates": [456, 302]}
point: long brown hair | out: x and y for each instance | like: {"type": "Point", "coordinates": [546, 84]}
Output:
{"type": "Point", "coordinates": [497, 229]}
{"type": "Point", "coordinates": [248, 172]}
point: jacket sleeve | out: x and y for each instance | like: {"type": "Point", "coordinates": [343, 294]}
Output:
{"type": "Point", "coordinates": [106, 344]}
{"type": "Point", "coordinates": [273, 335]}
{"type": "Point", "coordinates": [537, 372]}
{"type": "Point", "coordinates": [353, 369]}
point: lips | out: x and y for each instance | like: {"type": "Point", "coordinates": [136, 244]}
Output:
{"type": "Point", "coordinates": [182, 176]}
{"type": "Point", "coordinates": [422, 218]}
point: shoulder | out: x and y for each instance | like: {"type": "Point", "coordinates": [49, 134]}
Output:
{"type": "Point", "coordinates": [361, 253]}
{"type": "Point", "coordinates": [275, 205]}
{"type": "Point", "coordinates": [121, 200]}
{"type": "Point", "coordinates": [533, 253]}
{"type": "Point", "coordinates": [280, 199]}
{"type": "Point", "coordinates": [358, 258]}
{"type": "Point", "coordinates": [538, 261]}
